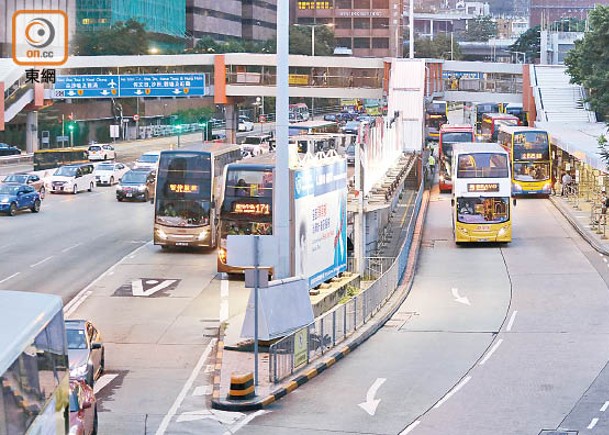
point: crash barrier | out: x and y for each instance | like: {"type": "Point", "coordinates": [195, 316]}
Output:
{"type": "Point", "coordinates": [241, 386]}
{"type": "Point", "coordinates": [21, 158]}
{"type": "Point", "coordinates": [325, 332]}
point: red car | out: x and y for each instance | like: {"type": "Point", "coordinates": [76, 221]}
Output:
{"type": "Point", "coordinates": [83, 409]}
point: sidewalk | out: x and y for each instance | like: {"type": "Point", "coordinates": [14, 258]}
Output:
{"type": "Point", "coordinates": [579, 215]}
{"type": "Point", "coordinates": [229, 361]}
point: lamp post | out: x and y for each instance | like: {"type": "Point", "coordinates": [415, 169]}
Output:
{"type": "Point", "coordinates": [179, 130]}
{"type": "Point", "coordinates": [313, 26]}
{"type": "Point", "coordinates": [71, 128]}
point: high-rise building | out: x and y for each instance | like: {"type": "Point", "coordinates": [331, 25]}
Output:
{"type": "Point", "coordinates": [158, 16]}
{"type": "Point", "coordinates": [367, 27]}
{"type": "Point", "coordinates": [8, 7]}
{"type": "Point", "coordinates": [230, 19]}
{"type": "Point", "coordinates": [545, 12]}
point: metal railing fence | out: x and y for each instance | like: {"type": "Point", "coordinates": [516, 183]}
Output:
{"type": "Point", "coordinates": [335, 326]}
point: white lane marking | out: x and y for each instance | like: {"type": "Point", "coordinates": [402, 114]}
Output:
{"type": "Point", "coordinates": [103, 382]}
{"type": "Point", "coordinates": [458, 298]}
{"type": "Point", "coordinates": [371, 403]}
{"type": "Point", "coordinates": [491, 352]}
{"type": "Point", "coordinates": [410, 428]}
{"type": "Point", "coordinates": [245, 421]}
{"type": "Point", "coordinates": [203, 390]}
{"type": "Point", "coordinates": [9, 277]}
{"type": "Point", "coordinates": [605, 406]}
{"type": "Point", "coordinates": [511, 322]}
{"type": "Point", "coordinates": [41, 261]}
{"type": "Point", "coordinates": [191, 379]}
{"type": "Point", "coordinates": [452, 392]}
{"type": "Point", "coordinates": [137, 286]}
{"type": "Point", "coordinates": [593, 423]}
{"type": "Point", "coordinates": [71, 247]}
{"type": "Point", "coordinates": [224, 307]}
{"type": "Point", "coordinates": [71, 306]}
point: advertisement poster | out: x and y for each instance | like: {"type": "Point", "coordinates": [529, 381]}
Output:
{"type": "Point", "coordinates": [320, 211]}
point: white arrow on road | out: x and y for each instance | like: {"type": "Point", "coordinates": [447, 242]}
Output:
{"type": "Point", "coordinates": [458, 298]}
{"type": "Point", "coordinates": [371, 403]}
{"type": "Point", "coordinates": [224, 417]}
{"type": "Point", "coordinates": [137, 287]}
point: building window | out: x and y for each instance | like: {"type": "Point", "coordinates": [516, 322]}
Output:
{"type": "Point", "coordinates": [343, 23]}
{"type": "Point", "coordinates": [361, 23]}
{"type": "Point", "coordinates": [342, 4]}
{"type": "Point", "coordinates": [380, 42]}
{"type": "Point", "coordinates": [314, 5]}
{"type": "Point", "coordinates": [361, 42]}
{"type": "Point", "coordinates": [361, 4]}
{"type": "Point", "coordinates": [343, 42]}
{"type": "Point", "coordinates": [380, 23]}
{"type": "Point", "coordinates": [380, 4]}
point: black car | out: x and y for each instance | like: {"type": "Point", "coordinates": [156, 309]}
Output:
{"type": "Point", "coordinates": [136, 184]}
{"type": "Point", "coordinates": [8, 150]}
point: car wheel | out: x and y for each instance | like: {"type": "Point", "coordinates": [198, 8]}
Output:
{"type": "Point", "coordinates": [36, 206]}
{"type": "Point", "coordinates": [94, 432]}
{"type": "Point", "coordinates": [42, 192]}
{"type": "Point", "coordinates": [111, 181]}
{"type": "Point", "coordinates": [90, 189]}
{"type": "Point", "coordinates": [12, 210]}
{"type": "Point", "coordinates": [119, 199]}
{"type": "Point", "coordinates": [75, 189]}
{"type": "Point", "coordinates": [105, 157]}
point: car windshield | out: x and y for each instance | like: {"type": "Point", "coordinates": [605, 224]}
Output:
{"type": "Point", "coordinates": [66, 171]}
{"type": "Point", "coordinates": [15, 178]}
{"type": "Point", "coordinates": [135, 177]}
{"type": "Point", "coordinates": [8, 190]}
{"type": "Point", "coordinates": [148, 158]}
{"type": "Point", "coordinates": [104, 168]}
{"type": "Point", "coordinates": [76, 339]}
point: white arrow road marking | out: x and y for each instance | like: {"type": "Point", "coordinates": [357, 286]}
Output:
{"type": "Point", "coordinates": [224, 417]}
{"type": "Point", "coordinates": [224, 291]}
{"type": "Point", "coordinates": [137, 287]}
{"type": "Point", "coordinates": [458, 298]}
{"type": "Point", "coordinates": [203, 390]}
{"type": "Point", "coordinates": [245, 421]}
{"type": "Point", "coordinates": [103, 382]}
{"type": "Point", "coordinates": [195, 372]}
{"type": "Point", "coordinates": [371, 403]}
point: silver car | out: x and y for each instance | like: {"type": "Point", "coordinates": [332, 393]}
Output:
{"type": "Point", "coordinates": [85, 350]}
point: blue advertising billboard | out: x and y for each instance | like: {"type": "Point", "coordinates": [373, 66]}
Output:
{"type": "Point", "coordinates": [320, 216]}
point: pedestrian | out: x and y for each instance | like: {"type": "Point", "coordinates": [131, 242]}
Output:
{"type": "Point", "coordinates": [431, 161]}
{"type": "Point", "coordinates": [324, 77]}
{"type": "Point", "coordinates": [351, 80]}
{"type": "Point", "coordinates": [566, 183]}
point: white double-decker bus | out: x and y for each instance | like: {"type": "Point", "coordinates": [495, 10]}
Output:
{"type": "Point", "coordinates": [482, 193]}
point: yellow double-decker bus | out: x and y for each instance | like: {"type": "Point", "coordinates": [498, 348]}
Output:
{"type": "Point", "coordinates": [529, 150]}
{"type": "Point", "coordinates": [481, 201]}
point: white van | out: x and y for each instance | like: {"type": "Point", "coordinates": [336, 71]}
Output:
{"type": "Point", "coordinates": [71, 179]}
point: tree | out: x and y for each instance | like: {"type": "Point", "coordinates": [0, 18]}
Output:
{"type": "Point", "coordinates": [123, 38]}
{"type": "Point", "coordinates": [529, 43]}
{"type": "Point", "coordinates": [588, 62]}
{"type": "Point", "coordinates": [438, 48]}
{"type": "Point", "coordinates": [480, 29]}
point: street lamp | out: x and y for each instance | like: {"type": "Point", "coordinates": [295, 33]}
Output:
{"type": "Point", "coordinates": [313, 26]}
{"type": "Point", "coordinates": [178, 129]}
{"type": "Point", "coordinates": [71, 128]}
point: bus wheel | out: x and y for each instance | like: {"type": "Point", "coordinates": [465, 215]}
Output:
{"type": "Point", "coordinates": [75, 189]}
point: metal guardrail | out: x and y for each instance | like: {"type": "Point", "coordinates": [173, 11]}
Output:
{"type": "Point", "coordinates": [22, 158]}
{"type": "Point", "coordinates": [335, 326]}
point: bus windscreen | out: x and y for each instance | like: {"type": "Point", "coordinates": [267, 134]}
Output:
{"type": "Point", "coordinates": [184, 193]}
{"type": "Point", "coordinates": [531, 145]}
{"type": "Point", "coordinates": [448, 139]}
{"type": "Point", "coordinates": [488, 210]}
{"type": "Point", "coordinates": [482, 165]}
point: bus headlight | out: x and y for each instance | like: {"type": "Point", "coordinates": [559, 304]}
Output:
{"type": "Point", "coordinates": [547, 187]}
{"type": "Point", "coordinates": [203, 235]}
{"type": "Point", "coordinates": [502, 232]}
{"type": "Point", "coordinates": [516, 187]}
{"type": "Point", "coordinates": [222, 255]}
{"type": "Point", "coordinates": [162, 235]}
